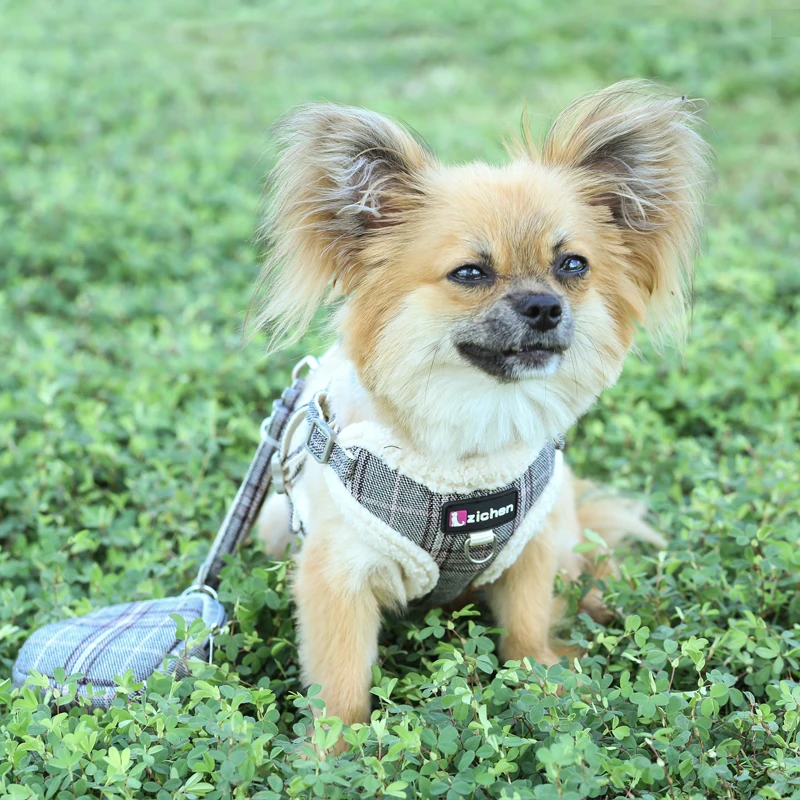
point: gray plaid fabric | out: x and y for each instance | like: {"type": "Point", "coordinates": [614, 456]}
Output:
{"type": "Point", "coordinates": [106, 643]}
{"type": "Point", "coordinates": [244, 509]}
{"type": "Point", "coordinates": [413, 510]}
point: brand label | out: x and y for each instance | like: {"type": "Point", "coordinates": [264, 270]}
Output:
{"type": "Point", "coordinates": [480, 514]}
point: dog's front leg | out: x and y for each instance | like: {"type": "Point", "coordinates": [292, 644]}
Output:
{"type": "Point", "coordinates": [521, 600]}
{"type": "Point", "coordinates": [339, 621]}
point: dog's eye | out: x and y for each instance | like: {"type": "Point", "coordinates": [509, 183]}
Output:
{"type": "Point", "coordinates": [472, 273]}
{"type": "Point", "coordinates": [572, 265]}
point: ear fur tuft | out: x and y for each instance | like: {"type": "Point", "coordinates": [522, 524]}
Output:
{"type": "Point", "coordinates": [343, 176]}
{"type": "Point", "coordinates": [635, 151]}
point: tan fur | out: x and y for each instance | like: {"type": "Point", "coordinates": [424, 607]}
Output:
{"type": "Point", "coordinates": [613, 517]}
{"type": "Point", "coordinates": [633, 151]}
{"type": "Point", "coordinates": [522, 598]}
{"type": "Point", "coordinates": [342, 171]}
{"type": "Point", "coordinates": [339, 613]}
{"type": "Point", "coordinates": [361, 213]}
{"type": "Point", "coordinates": [338, 629]}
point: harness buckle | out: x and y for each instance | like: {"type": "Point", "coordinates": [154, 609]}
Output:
{"type": "Point", "coordinates": [479, 540]}
{"type": "Point", "coordinates": [328, 435]}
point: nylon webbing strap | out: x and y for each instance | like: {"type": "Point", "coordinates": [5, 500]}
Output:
{"type": "Point", "coordinates": [250, 497]}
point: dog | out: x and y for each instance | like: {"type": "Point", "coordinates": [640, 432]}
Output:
{"type": "Point", "coordinates": [480, 311]}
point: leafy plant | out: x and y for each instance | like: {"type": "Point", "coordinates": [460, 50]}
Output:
{"type": "Point", "coordinates": [131, 140]}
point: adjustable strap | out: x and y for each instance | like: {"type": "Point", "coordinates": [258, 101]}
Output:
{"type": "Point", "coordinates": [250, 497]}
{"type": "Point", "coordinates": [322, 441]}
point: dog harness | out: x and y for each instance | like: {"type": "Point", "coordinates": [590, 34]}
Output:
{"type": "Point", "coordinates": [444, 541]}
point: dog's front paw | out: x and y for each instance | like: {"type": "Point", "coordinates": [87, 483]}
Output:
{"type": "Point", "coordinates": [593, 605]}
{"type": "Point", "coordinates": [514, 650]}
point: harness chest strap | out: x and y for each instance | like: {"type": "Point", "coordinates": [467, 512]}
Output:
{"type": "Point", "coordinates": [467, 536]}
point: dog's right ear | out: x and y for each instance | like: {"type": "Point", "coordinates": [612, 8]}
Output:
{"type": "Point", "coordinates": [344, 177]}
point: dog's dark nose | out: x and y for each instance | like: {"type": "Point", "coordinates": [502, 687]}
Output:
{"type": "Point", "coordinates": [542, 311]}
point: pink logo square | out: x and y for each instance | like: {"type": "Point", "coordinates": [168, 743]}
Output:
{"type": "Point", "coordinates": [458, 518]}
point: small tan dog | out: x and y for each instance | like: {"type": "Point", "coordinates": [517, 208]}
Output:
{"type": "Point", "coordinates": [482, 311]}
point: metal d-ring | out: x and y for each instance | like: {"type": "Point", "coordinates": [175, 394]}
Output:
{"type": "Point", "coordinates": [199, 588]}
{"type": "Point", "coordinates": [479, 540]}
{"type": "Point", "coordinates": [306, 361]}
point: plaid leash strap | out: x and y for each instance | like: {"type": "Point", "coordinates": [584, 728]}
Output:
{"type": "Point", "coordinates": [431, 520]}
{"type": "Point", "coordinates": [142, 636]}
{"type": "Point", "coordinates": [250, 497]}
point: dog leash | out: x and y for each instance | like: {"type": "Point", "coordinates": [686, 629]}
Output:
{"type": "Point", "coordinates": [250, 497]}
{"type": "Point", "coordinates": [141, 636]}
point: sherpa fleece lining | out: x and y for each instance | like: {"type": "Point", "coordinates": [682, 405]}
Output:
{"type": "Point", "coordinates": [480, 472]}
{"type": "Point", "coordinates": [420, 571]}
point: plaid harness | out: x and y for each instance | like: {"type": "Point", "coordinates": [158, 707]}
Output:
{"type": "Point", "coordinates": [464, 534]}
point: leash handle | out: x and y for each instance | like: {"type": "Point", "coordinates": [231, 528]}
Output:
{"type": "Point", "coordinates": [250, 497]}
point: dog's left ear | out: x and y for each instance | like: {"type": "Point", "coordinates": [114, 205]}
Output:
{"type": "Point", "coordinates": [344, 180]}
{"type": "Point", "coordinates": [634, 152]}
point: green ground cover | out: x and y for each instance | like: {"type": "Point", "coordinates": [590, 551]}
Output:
{"type": "Point", "coordinates": [131, 159]}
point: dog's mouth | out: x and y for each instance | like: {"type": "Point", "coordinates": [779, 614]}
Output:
{"type": "Point", "coordinates": [512, 363]}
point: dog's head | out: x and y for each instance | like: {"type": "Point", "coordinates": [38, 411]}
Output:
{"type": "Point", "coordinates": [522, 282]}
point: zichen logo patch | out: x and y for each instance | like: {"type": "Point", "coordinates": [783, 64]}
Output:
{"type": "Point", "coordinates": [480, 514]}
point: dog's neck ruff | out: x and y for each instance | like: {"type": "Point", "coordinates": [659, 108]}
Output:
{"type": "Point", "coordinates": [447, 536]}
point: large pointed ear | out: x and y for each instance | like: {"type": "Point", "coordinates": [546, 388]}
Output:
{"type": "Point", "coordinates": [635, 152]}
{"type": "Point", "coordinates": [344, 176]}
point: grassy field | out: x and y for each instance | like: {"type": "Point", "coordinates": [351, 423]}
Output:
{"type": "Point", "coordinates": [132, 145]}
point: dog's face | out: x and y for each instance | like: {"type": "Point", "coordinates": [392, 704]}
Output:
{"type": "Point", "coordinates": [504, 278]}
{"type": "Point", "coordinates": [520, 282]}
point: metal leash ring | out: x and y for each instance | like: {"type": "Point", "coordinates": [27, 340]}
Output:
{"type": "Point", "coordinates": [307, 361]}
{"type": "Point", "coordinates": [479, 540]}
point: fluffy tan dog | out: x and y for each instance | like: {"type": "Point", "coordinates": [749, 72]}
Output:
{"type": "Point", "coordinates": [482, 310]}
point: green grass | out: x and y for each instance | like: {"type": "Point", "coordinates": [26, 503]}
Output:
{"type": "Point", "coordinates": [132, 151]}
